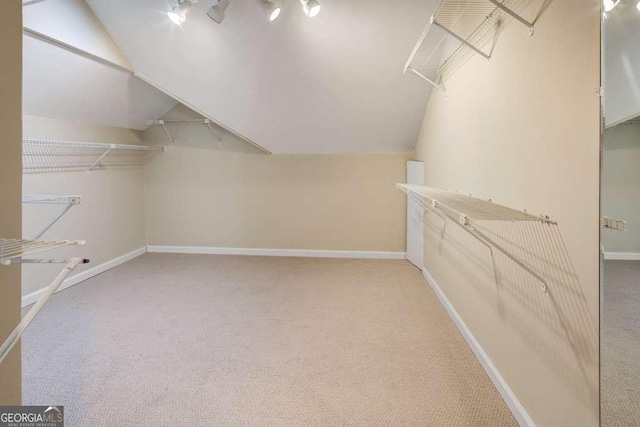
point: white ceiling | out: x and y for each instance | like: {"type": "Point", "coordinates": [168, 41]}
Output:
{"type": "Point", "coordinates": [329, 84]}
{"type": "Point", "coordinates": [74, 24]}
{"type": "Point", "coordinates": [60, 84]}
{"type": "Point", "coordinates": [64, 85]}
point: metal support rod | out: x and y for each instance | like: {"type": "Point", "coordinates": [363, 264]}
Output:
{"type": "Point", "coordinates": [215, 135]}
{"type": "Point", "coordinates": [419, 74]}
{"type": "Point", "coordinates": [479, 238]}
{"type": "Point", "coordinates": [463, 41]}
{"type": "Point", "coordinates": [514, 15]}
{"type": "Point", "coordinates": [56, 219]}
{"type": "Point", "coordinates": [166, 131]}
{"type": "Point", "coordinates": [100, 158]}
{"type": "Point", "coordinates": [38, 261]}
{"type": "Point", "coordinates": [510, 256]}
{"type": "Point", "coordinates": [488, 245]}
{"type": "Point", "coordinates": [15, 336]}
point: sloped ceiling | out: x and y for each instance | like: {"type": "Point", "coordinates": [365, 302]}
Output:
{"type": "Point", "coordinates": [64, 85]}
{"type": "Point", "coordinates": [329, 84]}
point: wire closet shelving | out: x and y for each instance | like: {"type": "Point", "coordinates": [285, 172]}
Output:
{"type": "Point", "coordinates": [68, 201]}
{"type": "Point", "coordinates": [457, 27]}
{"type": "Point", "coordinates": [466, 211]}
{"type": "Point", "coordinates": [13, 251]}
{"type": "Point", "coordinates": [39, 156]}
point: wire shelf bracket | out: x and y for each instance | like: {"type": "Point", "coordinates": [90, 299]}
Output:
{"type": "Point", "coordinates": [69, 201]}
{"type": "Point", "coordinates": [206, 122]}
{"type": "Point", "coordinates": [458, 24]}
{"type": "Point", "coordinates": [39, 156]}
{"type": "Point", "coordinates": [12, 251]}
{"type": "Point", "coordinates": [465, 211]}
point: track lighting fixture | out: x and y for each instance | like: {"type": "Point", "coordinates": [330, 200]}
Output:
{"type": "Point", "coordinates": [609, 5]}
{"type": "Point", "coordinates": [273, 9]}
{"type": "Point", "coordinates": [312, 7]}
{"type": "Point", "coordinates": [178, 14]}
{"type": "Point", "coordinates": [216, 12]}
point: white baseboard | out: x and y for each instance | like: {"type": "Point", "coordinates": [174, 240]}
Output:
{"type": "Point", "coordinates": [275, 252]}
{"type": "Point", "coordinates": [87, 274]}
{"type": "Point", "coordinates": [622, 256]}
{"type": "Point", "coordinates": [507, 394]}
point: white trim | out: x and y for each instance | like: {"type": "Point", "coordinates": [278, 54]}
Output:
{"type": "Point", "coordinates": [87, 274]}
{"type": "Point", "coordinates": [622, 256]}
{"type": "Point", "coordinates": [275, 252]}
{"type": "Point", "coordinates": [518, 411]}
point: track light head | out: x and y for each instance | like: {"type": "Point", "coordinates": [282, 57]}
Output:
{"type": "Point", "coordinates": [216, 12]}
{"type": "Point", "coordinates": [609, 5]}
{"type": "Point", "coordinates": [311, 7]}
{"type": "Point", "coordinates": [178, 14]}
{"type": "Point", "coordinates": [273, 10]}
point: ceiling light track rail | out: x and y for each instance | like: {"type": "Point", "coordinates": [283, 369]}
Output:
{"type": "Point", "coordinates": [459, 25]}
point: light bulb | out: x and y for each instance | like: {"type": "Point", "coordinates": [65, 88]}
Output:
{"type": "Point", "coordinates": [311, 7]}
{"type": "Point", "coordinates": [638, 6]}
{"type": "Point", "coordinates": [274, 14]}
{"type": "Point", "coordinates": [178, 14]}
{"type": "Point", "coordinates": [175, 17]}
{"type": "Point", "coordinates": [273, 9]}
{"type": "Point", "coordinates": [314, 11]}
{"type": "Point", "coordinates": [609, 5]}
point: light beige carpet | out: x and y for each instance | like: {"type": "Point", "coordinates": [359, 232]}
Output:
{"type": "Point", "coordinates": [620, 344]}
{"type": "Point", "coordinates": [225, 340]}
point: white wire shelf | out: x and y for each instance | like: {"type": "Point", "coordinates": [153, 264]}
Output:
{"type": "Point", "coordinates": [12, 251]}
{"type": "Point", "coordinates": [459, 27]}
{"type": "Point", "coordinates": [171, 139]}
{"type": "Point", "coordinates": [466, 211]}
{"type": "Point", "coordinates": [52, 200]}
{"type": "Point", "coordinates": [40, 156]}
{"type": "Point", "coordinates": [69, 201]}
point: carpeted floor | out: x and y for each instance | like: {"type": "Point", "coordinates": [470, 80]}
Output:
{"type": "Point", "coordinates": [620, 344]}
{"type": "Point", "coordinates": [225, 340]}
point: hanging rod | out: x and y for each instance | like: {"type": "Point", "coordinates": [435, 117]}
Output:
{"type": "Point", "coordinates": [465, 211]}
{"type": "Point", "coordinates": [69, 201]}
{"type": "Point", "coordinates": [65, 156]}
{"type": "Point", "coordinates": [164, 124]}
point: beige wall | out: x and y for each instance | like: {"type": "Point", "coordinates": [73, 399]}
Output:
{"type": "Point", "coordinates": [523, 130]}
{"type": "Point", "coordinates": [111, 216]}
{"type": "Point", "coordinates": [621, 186]}
{"type": "Point", "coordinates": [10, 193]}
{"type": "Point", "coordinates": [200, 197]}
